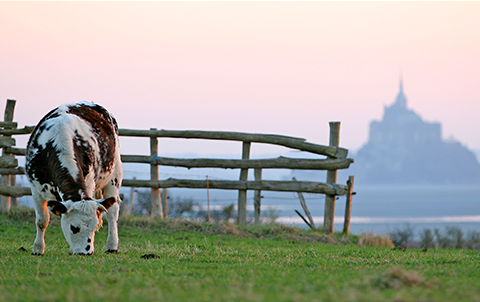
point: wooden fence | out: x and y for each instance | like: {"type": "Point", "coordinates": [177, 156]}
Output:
{"type": "Point", "coordinates": [336, 159]}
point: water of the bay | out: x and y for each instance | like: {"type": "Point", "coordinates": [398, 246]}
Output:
{"type": "Point", "coordinates": [377, 209]}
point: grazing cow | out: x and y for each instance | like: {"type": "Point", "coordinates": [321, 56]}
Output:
{"type": "Point", "coordinates": [72, 154]}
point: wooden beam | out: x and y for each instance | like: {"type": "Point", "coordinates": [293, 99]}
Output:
{"type": "Point", "coordinates": [304, 220]}
{"type": "Point", "coordinates": [12, 171]}
{"type": "Point", "coordinates": [129, 209]}
{"type": "Point", "coordinates": [328, 224]}
{"type": "Point", "coordinates": [15, 151]}
{"type": "Point", "coordinates": [8, 162]}
{"type": "Point", "coordinates": [165, 202]}
{"type": "Point", "coordinates": [242, 193]}
{"type": "Point", "coordinates": [348, 206]}
{"type": "Point", "coordinates": [25, 130]}
{"type": "Point", "coordinates": [6, 141]}
{"type": "Point", "coordinates": [157, 210]}
{"type": "Point", "coordinates": [9, 111]}
{"type": "Point", "coordinates": [273, 163]}
{"type": "Point", "coordinates": [263, 185]}
{"type": "Point", "coordinates": [286, 141]}
{"type": "Point", "coordinates": [15, 191]}
{"type": "Point", "coordinates": [305, 208]}
{"type": "Point", "coordinates": [215, 135]}
{"type": "Point", "coordinates": [11, 125]}
{"type": "Point", "coordinates": [257, 197]}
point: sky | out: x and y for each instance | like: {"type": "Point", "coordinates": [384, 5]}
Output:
{"type": "Point", "coordinates": [261, 67]}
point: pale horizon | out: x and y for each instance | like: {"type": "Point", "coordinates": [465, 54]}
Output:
{"type": "Point", "coordinates": [261, 67]}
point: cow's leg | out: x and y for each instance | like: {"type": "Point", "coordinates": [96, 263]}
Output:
{"type": "Point", "coordinates": [112, 218]}
{"type": "Point", "coordinates": [42, 220]}
{"type": "Point", "coordinates": [111, 190]}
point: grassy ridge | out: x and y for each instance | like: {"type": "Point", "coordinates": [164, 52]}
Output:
{"type": "Point", "coordinates": [221, 262]}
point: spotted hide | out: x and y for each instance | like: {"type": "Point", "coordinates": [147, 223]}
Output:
{"type": "Point", "coordinates": [72, 154]}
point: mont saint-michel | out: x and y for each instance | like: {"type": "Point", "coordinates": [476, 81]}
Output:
{"type": "Point", "coordinates": [404, 149]}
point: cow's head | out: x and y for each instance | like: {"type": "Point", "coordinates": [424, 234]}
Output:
{"type": "Point", "coordinates": [80, 220]}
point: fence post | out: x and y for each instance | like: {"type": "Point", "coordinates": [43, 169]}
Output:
{"type": "Point", "coordinates": [328, 224]}
{"type": "Point", "coordinates": [156, 202]}
{"type": "Point", "coordinates": [208, 201]}
{"type": "Point", "coordinates": [258, 196]}
{"type": "Point", "coordinates": [165, 202]}
{"type": "Point", "coordinates": [242, 194]}
{"type": "Point", "coordinates": [6, 180]}
{"type": "Point", "coordinates": [348, 205]}
{"type": "Point", "coordinates": [129, 205]}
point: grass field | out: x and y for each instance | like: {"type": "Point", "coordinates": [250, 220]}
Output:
{"type": "Point", "coordinates": [222, 262]}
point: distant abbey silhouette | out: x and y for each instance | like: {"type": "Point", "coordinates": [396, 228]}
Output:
{"type": "Point", "coordinates": [404, 149]}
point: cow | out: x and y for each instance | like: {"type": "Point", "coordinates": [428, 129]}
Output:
{"type": "Point", "coordinates": [72, 154]}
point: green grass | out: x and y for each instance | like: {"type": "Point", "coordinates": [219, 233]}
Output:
{"type": "Point", "coordinates": [222, 262]}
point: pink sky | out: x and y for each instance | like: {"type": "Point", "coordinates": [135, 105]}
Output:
{"type": "Point", "coordinates": [264, 67]}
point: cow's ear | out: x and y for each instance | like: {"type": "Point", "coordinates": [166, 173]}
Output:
{"type": "Point", "coordinates": [107, 203]}
{"type": "Point", "coordinates": [56, 207]}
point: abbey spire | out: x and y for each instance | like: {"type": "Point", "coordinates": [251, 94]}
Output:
{"type": "Point", "coordinates": [401, 100]}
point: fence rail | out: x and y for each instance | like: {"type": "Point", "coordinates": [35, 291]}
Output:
{"type": "Point", "coordinates": [275, 163]}
{"type": "Point", "coordinates": [280, 140]}
{"type": "Point", "coordinates": [336, 159]}
{"type": "Point", "coordinates": [262, 185]}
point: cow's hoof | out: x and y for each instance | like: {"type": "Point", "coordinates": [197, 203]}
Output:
{"type": "Point", "coordinates": [111, 251]}
{"type": "Point", "coordinates": [37, 254]}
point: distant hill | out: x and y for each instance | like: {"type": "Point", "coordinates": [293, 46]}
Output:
{"type": "Point", "coordinates": [477, 154]}
{"type": "Point", "coordinates": [404, 149]}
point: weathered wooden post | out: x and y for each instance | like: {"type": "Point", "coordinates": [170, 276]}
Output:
{"type": "Point", "coordinates": [258, 196]}
{"type": "Point", "coordinates": [6, 180]}
{"type": "Point", "coordinates": [156, 202]}
{"type": "Point", "coordinates": [348, 206]}
{"type": "Point", "coordinates": [208, 201]}
{"type": "Point", "coordinates": [242, 194]}
{"type": "Point", "coordinates": [165, 202]}
{"type": "Point", "coordinates": [129, 205]}
{"type": "Point", "coordinates": [328, 224]}
{"type": "Point", "coordinates": [132, 200]}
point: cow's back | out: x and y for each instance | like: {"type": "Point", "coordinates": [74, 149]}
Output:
{"type": "Point", "coordinates": [72, 151]}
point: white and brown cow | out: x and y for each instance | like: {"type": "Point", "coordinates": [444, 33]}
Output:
{"type": "Point", "coordinates": [73, 153]}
